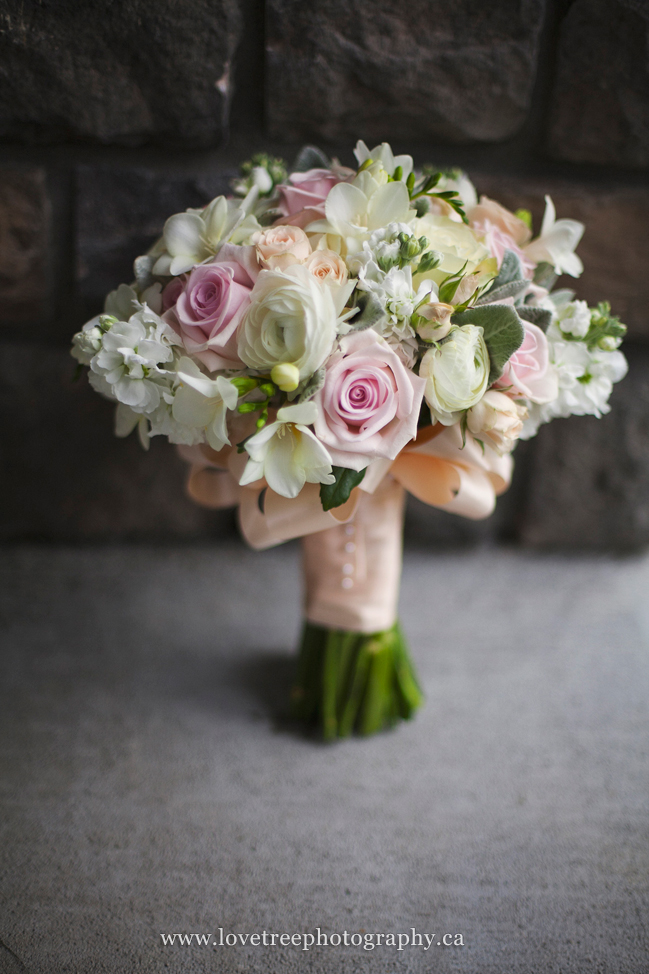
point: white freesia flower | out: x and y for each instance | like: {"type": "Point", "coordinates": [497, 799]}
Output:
{"type": "Point", "coordinates": [574, 318]}
{"type": "Point", "coordinates": [383, 154]}
{"type": "Point", "coordinates": [585, 380]}
{"type": "Point", "coordinates": [287, 454]}
{"type": "Point", "coordinates": [130, 357]}
{"type": "Point", "coordinates": [292, 319]}
{"type": "Point", "coordinates": [457, 373]}
{"type": "Point", "coordinates": [201, 403]}
{"type": "Point", "coordinates": [191, 237]}
{"type": "Point", "coordinates": [557, 243]}
{"type": "Point", "coordinates": [353, 210]}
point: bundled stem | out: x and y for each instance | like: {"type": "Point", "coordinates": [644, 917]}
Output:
{"type": "Point", "coordinates": [351, 681]}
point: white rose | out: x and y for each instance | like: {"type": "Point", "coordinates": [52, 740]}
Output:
{"type": "Point", "coordinates": [292, 319]}
{"type": "Point", "coordinates": [457, 373]}
{"type": "Point", "coordinates": [498, 420]}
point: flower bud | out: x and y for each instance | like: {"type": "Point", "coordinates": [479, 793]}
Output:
{"type": "Point", "coordinates": [285, 376]}
{"type": "Point", "coordinates": [498, 420]}
{"type": "Point", "coordinates": [608, 343]}
{"type": "Point", "coordinates": [262, 179]}
{"type": "Point", "coordinates": [437, 321]}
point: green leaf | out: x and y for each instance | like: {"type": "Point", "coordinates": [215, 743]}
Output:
{"type": "Point", "coordinates": [370, 311]}
{"type": "Point", "coordinates": [545, 275]}
{"type": "Point", "coordinates": [333, 495]}
{"type": "Point", "coordinates": [537, 316]}
{"type": "Point", "coordinates": [503, 332]}
{"type": "Point", "coordinates": [509, 290]}
{"type": "Point", "coordinates": [310, 157]}
{"type": "Point", "coordinates": [314, 385]}
{"type": "Point", "coordinates": [510, 270]}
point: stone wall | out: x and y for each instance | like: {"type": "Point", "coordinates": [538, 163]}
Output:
{"type": "Point", "coordinates": [112, 116]}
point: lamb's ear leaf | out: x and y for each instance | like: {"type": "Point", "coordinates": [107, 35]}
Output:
{"type": "Point", "coordinates": [537, 316]}
{"type": "Point", "coordinates": [510, 270]}
{"type": "Point", "coordinates": [310, 157]}
{"type": "Point", "coordinates": [370, 311]}
{"type": "Point", "coordinates": [314, 384]}
{"type": "Point", "coordinates": [333, 495]}
{"type": "Point", "coordinates": [503, 332]}
{"type": "Point", "coordinates": [545, 275]}
{"type": "Point", "coordinates": [509, 290]}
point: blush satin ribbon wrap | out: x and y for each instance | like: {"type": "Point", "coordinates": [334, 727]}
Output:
{"type": "Point", "coordinates": [436, 468]}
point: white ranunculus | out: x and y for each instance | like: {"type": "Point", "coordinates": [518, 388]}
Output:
{"type": "Point", "coordinates": [190, 238]}
{"type": "Point", "coordinates": [457, 373]}
{"type": "Point", "coordinates": [556, 243]}
{"type": "Point", "coordinates": [383, 154]}
{"type": "Point", "coordinates": [287, 454]}
{"type": "Point", "coordinates": [292, 319]}
{"type": "Point", "coordinates": [454, 241]}
{"type": "Point", "coordinates": [201, 403]}
{"type": "Point", "coordinates": [497, 420]}
{"type": "Point", "coordinates": [130, 357]}
{"type": "Point", "coordinates": [574, 318]}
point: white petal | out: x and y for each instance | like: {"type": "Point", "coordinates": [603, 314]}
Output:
{"type": "Point", "coordinates": [303, 412]}
{"type": "Point", "coordinates": [549, 216]}
{"type": "Point", "coordinates": [390, 204]}
{"type": "Point", "coordinates": [345, 203]}
{"type": "Point", "coordinates": [253, 471]}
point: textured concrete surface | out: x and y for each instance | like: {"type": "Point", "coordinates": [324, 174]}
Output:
{"type": "Point", "coordinates": [150, 784]}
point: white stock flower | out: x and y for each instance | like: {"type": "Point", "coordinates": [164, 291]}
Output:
{"type": "Point", "coordinates": [87, 342]}
{"type": "Point", "coordinates": [398, 298]}
{"type": "Point", "coordinates": [585, 380]}
{"type": "Point", "coordinates": [457, 373]}
{"type": "Point", "coordinates": [191, 237]}
{"type": "Point", "coordinates": [292, 319]}
{"type": "Point", "coordinates": [287, 454]}
{"type": "Point", "coordinates": [201, 403]}
{"type": "Point", "coordinates": [130, 357]}
{"type": "Point", "coordinates": [574, 318]}
{"type": "Point", "coordinates": [557, 242]}
{"type": "Point", "coordinates": [383, 154]}
{"type": "Point", "coordinates": [497, 420]}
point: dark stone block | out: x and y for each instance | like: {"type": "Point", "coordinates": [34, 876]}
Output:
{"type": "Point", "coordinates": [600, 109]}
{"type": "Point", "coordinates": [120, 212]}
{"type": "Point", "coordinates": [66, 478]}
{"type": "Point", "coordinates": [24, 231]}
{"type": "Point", "coordinates": [425, 70]}
{"type": "Point", "coordinates": [588, 484]}
{"type": "Point", "coordinates": [126, 72]}
{"type": "Point", "coordinates": [615, 245]}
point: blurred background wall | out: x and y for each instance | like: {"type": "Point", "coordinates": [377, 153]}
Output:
{"type": "Point", "coordinates": [116, 113]}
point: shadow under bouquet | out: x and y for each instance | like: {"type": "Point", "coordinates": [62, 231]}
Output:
{"type": "Point", "coordinates": [323, 341]}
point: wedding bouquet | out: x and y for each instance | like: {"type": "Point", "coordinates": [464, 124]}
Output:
{"type": "Point", "coordinates": [322, 340]}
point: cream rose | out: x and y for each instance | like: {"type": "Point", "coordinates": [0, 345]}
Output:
{"type": "Point", "coordinates": [292, 319]}
{"type": "Point", "coordinates": [454, 241]}
{"type": "Point", "coordinates": [279, 247]}
{"type": "Point", "coordinates": [498, 420]}
{"type": "Point", "coordinates": [327, 266]}
{"type": "Point", "coordinates": [456, 373]}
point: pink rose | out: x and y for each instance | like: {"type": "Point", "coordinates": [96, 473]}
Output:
{"type": "Point", "coordinates": [308, 190]}
{"type": "Point", "coordinates": [528, 371]}
{"type": "Point", "coordinates": [212, 303]}
{"type": "Point", "coordinates": [488, 211]}
{"type": "Point", "coordinates": [280, 246]}
{"type": "Point", "coordinates": [369, 404]}
{"type": "Point", "coordinates": [172, 292]}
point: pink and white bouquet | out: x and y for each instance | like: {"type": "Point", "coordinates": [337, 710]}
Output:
{"type": "Point", "coordinates": [324, 337]}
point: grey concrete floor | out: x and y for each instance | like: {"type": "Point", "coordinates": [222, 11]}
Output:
{"type": "Point", "coordinates": [151, 786]}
